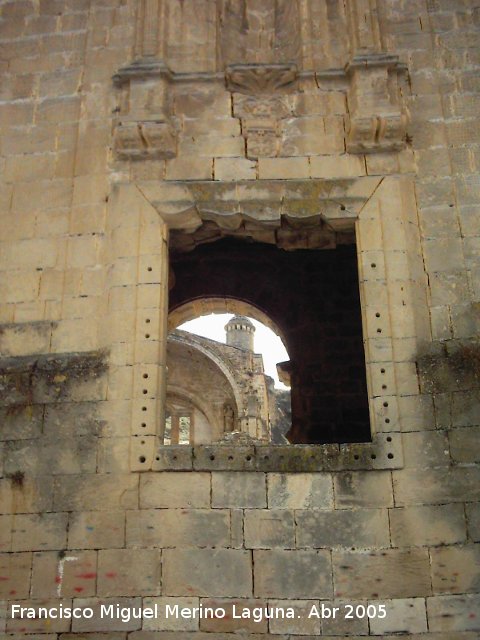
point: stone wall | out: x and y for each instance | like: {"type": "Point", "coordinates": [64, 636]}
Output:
{"type": "Point", "coordinates": [84, 517]}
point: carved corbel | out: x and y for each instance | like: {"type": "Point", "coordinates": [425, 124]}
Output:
{"type": "Point", "coordinates": [377, 119]}
{"type": "Point", "coordinates": [143, 128]}
{"type": "Point", "coordinates": [260, 104]}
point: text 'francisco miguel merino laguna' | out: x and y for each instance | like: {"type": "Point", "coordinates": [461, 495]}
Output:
{"type": "Point", "coordinates": [125, 614]}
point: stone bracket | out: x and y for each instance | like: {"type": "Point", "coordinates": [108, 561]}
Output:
{"type": "Point", "coordinates": [143, 128]}
{"type": "Point", "coordinates": [378, 120]}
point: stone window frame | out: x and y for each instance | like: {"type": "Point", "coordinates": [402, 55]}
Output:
{"type": "Point", "coordinates": [395, 320]}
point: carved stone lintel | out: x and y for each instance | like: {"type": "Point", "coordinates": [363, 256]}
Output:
{"type": "Point", "coordinates": [144, 140]}
{"type": "Point", "coordinates": [260, 78]}
{"type": "Point", "coordinates": [377, 119]}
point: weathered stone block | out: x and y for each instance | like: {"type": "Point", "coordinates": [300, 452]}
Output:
{"type": "Point", "coordinates": [107, 623]}
{"type": "Point", "coordinates": [292, 574]}
{"type": "Point", "coordinates": [15, 569]}
{"type": "Point", "coordinates": [436, 486]}
{"type": "Point", "coordinates": [239, 490]}
{"type": "Point", "coordinates": [207, 572]}
{"type": "Point", "coordinates": [96, 529]}
{"type": "Point", "coordinates": [454, 613]}
{"type": "Point", "coordinates": [300, 491]}
{"type": "Point", "coordinates": [465, 444]}
{"type": "Point", "coordinates": [427, 526]}
{"type": "Point", "coordinates": [174, 490]}
{"type": "Point", "coordinates": [128, 572]}
{"type": "Point", "coordinates": [392, 573]}
{"type": "Point", "coordinates": [403, 616]}
{"type": "Point", "coordinates": [269, 528]}
{"type": "Point", "coordinates": [168, 621]}
{"type": "Point", "coordinates": [39, 531]}
{"type": "Point", "coordinates": [73, 575]}
{"type": "Point", "coordinates": [473, 521]}
{"type": "Point", "coordinates": [363, 489]}
{"type": "Point", "coordinates": [425, 449]}
{"type": "Point", "coordinates": [301, 624]}
{"type": "Point", "coordinates": [229, 624]}
{"type": "Point", "coordinates": [361, 529]}
{"type": "Point", "coordinates": [456, 569]}
{"type": "Point", "coordinates": [178, 528]}
{"type": "Point", "coordinates": [23, 494]}
{"type": "Point", "coordinates": [96, 492]}
{"type": "Point", "coordinates": [39, 625]}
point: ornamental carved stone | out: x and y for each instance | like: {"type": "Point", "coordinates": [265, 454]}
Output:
{"type": "Point", "coordinates": [377, 119]}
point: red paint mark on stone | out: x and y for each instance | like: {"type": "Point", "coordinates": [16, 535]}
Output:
{"type": "Point", "coordinates": [4, 578]}
{"type": "Point", "coordinates": [58, 579]}
{"type": "Point", "coordinates": [13, 592]}
{"type": "Point", "coordinates": [472, 616]}
{"type": "Point", "coordinates": [78, 589]}
{"type": "Point", "coordinates": [87, 576]}
{"type": "Point", "coordinates": [111, 574]}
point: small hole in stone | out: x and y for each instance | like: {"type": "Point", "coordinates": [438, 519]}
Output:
{"type": "Point", "coordinates": [174, 457]}
{"type": "Point", "coordinates": [385, 404]}
{"type": "Point", "coordinates": [147, 335]}
{"type": "Point", "coordinates": [142, 441]}
{"type": "Point", "coordinates": [147, 320]}
{"type": "Point", "coordinates": [149, 268]}
{"type": "Point", "coordinates": [382, 370]}
{"type": "Point", "coordinates": [384, 386]}
{"type": "Point", "coordinates": [373, 265]}
{"type": "Point", "coordinates": [144, 391]}
{"type": "Point", "coordinates": [390, 456]}
{"type": "Point", "coordinates": [377, 315]}
{"type": "Point", "coordinates": [145, 375]}
{"type": "Point", "coordinates": [212, 457]}
{"type": "Point", "coordinates": [157, 458]}
{"type": "Point", "coordinates": [230, 457]}
{"type": "Point", "coordinates": [142, 459]}
{"type": "Point", "coordinates": [379, 331]}
{"type": "Point", "coordinates": [389, 439]}
{"type": "Point", "coordinates": [265, 457]}
{"type": "Point", "coordinates": [248, 458]}
{"type": "Point", "coordinates": [342, 207]}
{"type": "Point", "coordinates": [373, 456]}
{"type": "Point", "coordinates": [356, 457]}
{"type": "Point", "coordinates": [144, 424]}
{"type": "Point", "coordinates": [144, 408]}
{"type": "Point", "coordinates": [387, 420]}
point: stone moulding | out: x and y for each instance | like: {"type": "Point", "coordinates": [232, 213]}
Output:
{"type": "Point", "coordinates": [385, 452]}
{"type": "Point", "coordinates": [260, 78]}
{"type": "Point", "coordinates": [377, 120]}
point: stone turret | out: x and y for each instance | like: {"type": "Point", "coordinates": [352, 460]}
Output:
{"type": "Point", "coordinates": [240, 333]}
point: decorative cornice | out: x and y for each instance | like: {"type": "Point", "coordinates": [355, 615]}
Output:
{"type": "Point", "coordinates": [260, 78]}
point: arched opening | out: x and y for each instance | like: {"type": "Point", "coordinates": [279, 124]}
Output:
{"type": "Point", "coordinates": [312, 299]}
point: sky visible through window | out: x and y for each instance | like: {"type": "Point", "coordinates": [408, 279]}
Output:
{"type": "Point", "coordinates": [266, 341]}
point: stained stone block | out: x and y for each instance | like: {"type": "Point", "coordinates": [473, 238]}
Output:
{"type": "Point", "coordinates": [363, 489]}
{"type": "Point", "coordinates": [207, 572]}
{"type": "Point", "coordinates": [175, 490]}
{"type": "Point", "coordinates": [436, 486]}
{"type": "Point", "coordinates": [15, 569]}
{"type": "Point", "coordinates": [403, 616]}
{"type": "Point", "coordinates": [454, 613]}
{"type": "Point", "coordinates": [128, 572]}
{"type": "Point", "coordinates": [239, 490]}
{"type": "Point", "coordinates": [392, 573]}
{"type": "Point", "coordinates": [178, 528]}
{"type": "Point", "coordinates": [292, 574]}
{"type": "Point", "coordinates": [360, 529]}
{"type": "Point", "coordinates": [265, 529]}
{"type": "Point", "coordinates": [300, 491]}
{"type": "Point", "coordinates": [428, 525]}
{"type": "Point", "coordinates": [456, 569]}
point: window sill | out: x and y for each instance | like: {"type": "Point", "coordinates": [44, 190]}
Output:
{"type": "Point", "coordinates": [385, 452]}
